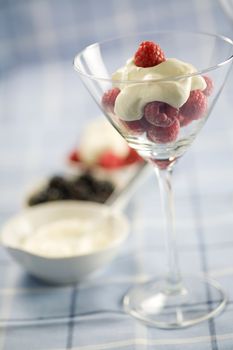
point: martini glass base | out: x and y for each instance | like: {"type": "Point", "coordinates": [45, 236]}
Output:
{"type": "Point", "coordinates": [157, 305]}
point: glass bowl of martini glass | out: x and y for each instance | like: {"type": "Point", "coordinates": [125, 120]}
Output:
{"type": "Point", "coordinates": [158, 89]}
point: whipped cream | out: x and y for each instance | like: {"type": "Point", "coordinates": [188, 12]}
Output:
{"type": "Point", "coordinates": [99, 137]}
{"type": "Point", "coordinates": [134, 96]}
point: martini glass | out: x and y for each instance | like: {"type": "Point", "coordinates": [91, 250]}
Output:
{"type": "Point", "coordinates": [174, 301]}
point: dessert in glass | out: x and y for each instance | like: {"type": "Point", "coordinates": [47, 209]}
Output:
{"type": "Point", "coordinates": [158, 89]}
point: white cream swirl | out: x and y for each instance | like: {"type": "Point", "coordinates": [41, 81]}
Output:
{"type": "Point", "coordinates": [133, 97]}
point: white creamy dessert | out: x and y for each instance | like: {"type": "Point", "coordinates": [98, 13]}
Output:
{"type": "Point", "coordinates": [134, 96]}
{"type": "Point", "coordinates": [98, 137]}
{"type": "Point", "coordinates": [66, 238]}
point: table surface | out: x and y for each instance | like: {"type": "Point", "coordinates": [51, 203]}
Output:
{"type": "Point", "coordinates": [43, 110]}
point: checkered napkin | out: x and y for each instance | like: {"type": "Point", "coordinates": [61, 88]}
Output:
{"type": "Point", "coordinates": [43, 108]}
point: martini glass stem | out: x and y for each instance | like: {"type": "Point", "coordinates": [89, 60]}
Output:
{"type": "Point", "coordinates": [165, 185]}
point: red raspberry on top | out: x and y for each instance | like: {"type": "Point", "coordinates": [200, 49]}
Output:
{"type": "Point", "coordinates": [109, 98]}
{"type": "Point", "coordinates": [210, 86]}
{"type": "Point", "coordinates": [148, 54]}
{"type": "Point", "coordinates": [195, 107]}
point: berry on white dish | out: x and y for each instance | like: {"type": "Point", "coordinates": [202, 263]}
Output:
{"type": "Point", "coordinates": [103, 152]}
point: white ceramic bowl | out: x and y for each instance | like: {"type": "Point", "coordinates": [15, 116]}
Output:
{"type": "Point", "coordinates": [69, 269]}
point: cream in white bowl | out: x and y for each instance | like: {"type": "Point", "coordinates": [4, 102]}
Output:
{"type": "Point", "coordinates": [68, 237]}
{"type": "Point", "coordinates": [53, 241]}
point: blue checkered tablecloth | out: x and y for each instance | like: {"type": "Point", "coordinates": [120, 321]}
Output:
{"type": "Point", "coordinates": [43, 109]}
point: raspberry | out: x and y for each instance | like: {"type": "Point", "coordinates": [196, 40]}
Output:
{"type": "Point", "coordinates": [164, 125]}
{"type": "Point", "coordinates": [74, 156]}
{"type": "Point", "coordinates": [184, 121]}
{"type": "Point", "coordinates": [148, 54]}
{"type": "Point", "coordinates": [153, 109]}
{"type": "Point", "coordinates": [195, 107]}
{"type": "Point", "coordinates": [132, 157]}
{"type": "Point", "coordinates": [109, 160]}
{"type": "Point", "coordinates": [164, 129]}
{"type": "Point", "coordinates": [210, 86]}
{"type": "Point", "coordinates": [109, 98]}
{"type": "Point", "coordinates": [171, 111]}
{"type": "Point", "coordinates": [137, 127]}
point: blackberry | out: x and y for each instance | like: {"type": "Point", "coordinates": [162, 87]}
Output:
{"type": "Point", "coordinates": [59, 187]}
{"type": "Point", "coordinates": [102, 191]}
{"type": "Point", "coordinates": [57, 181]}
{"type": "Point", "coordinates": [83, 187]}
{"type": "Point", "coordinates": [38, 198]}
{"type": "Point", "coordinates": [55, 194]}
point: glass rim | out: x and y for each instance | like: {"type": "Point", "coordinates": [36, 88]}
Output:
{"type": "Point", "coordinates": [172, 77]}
